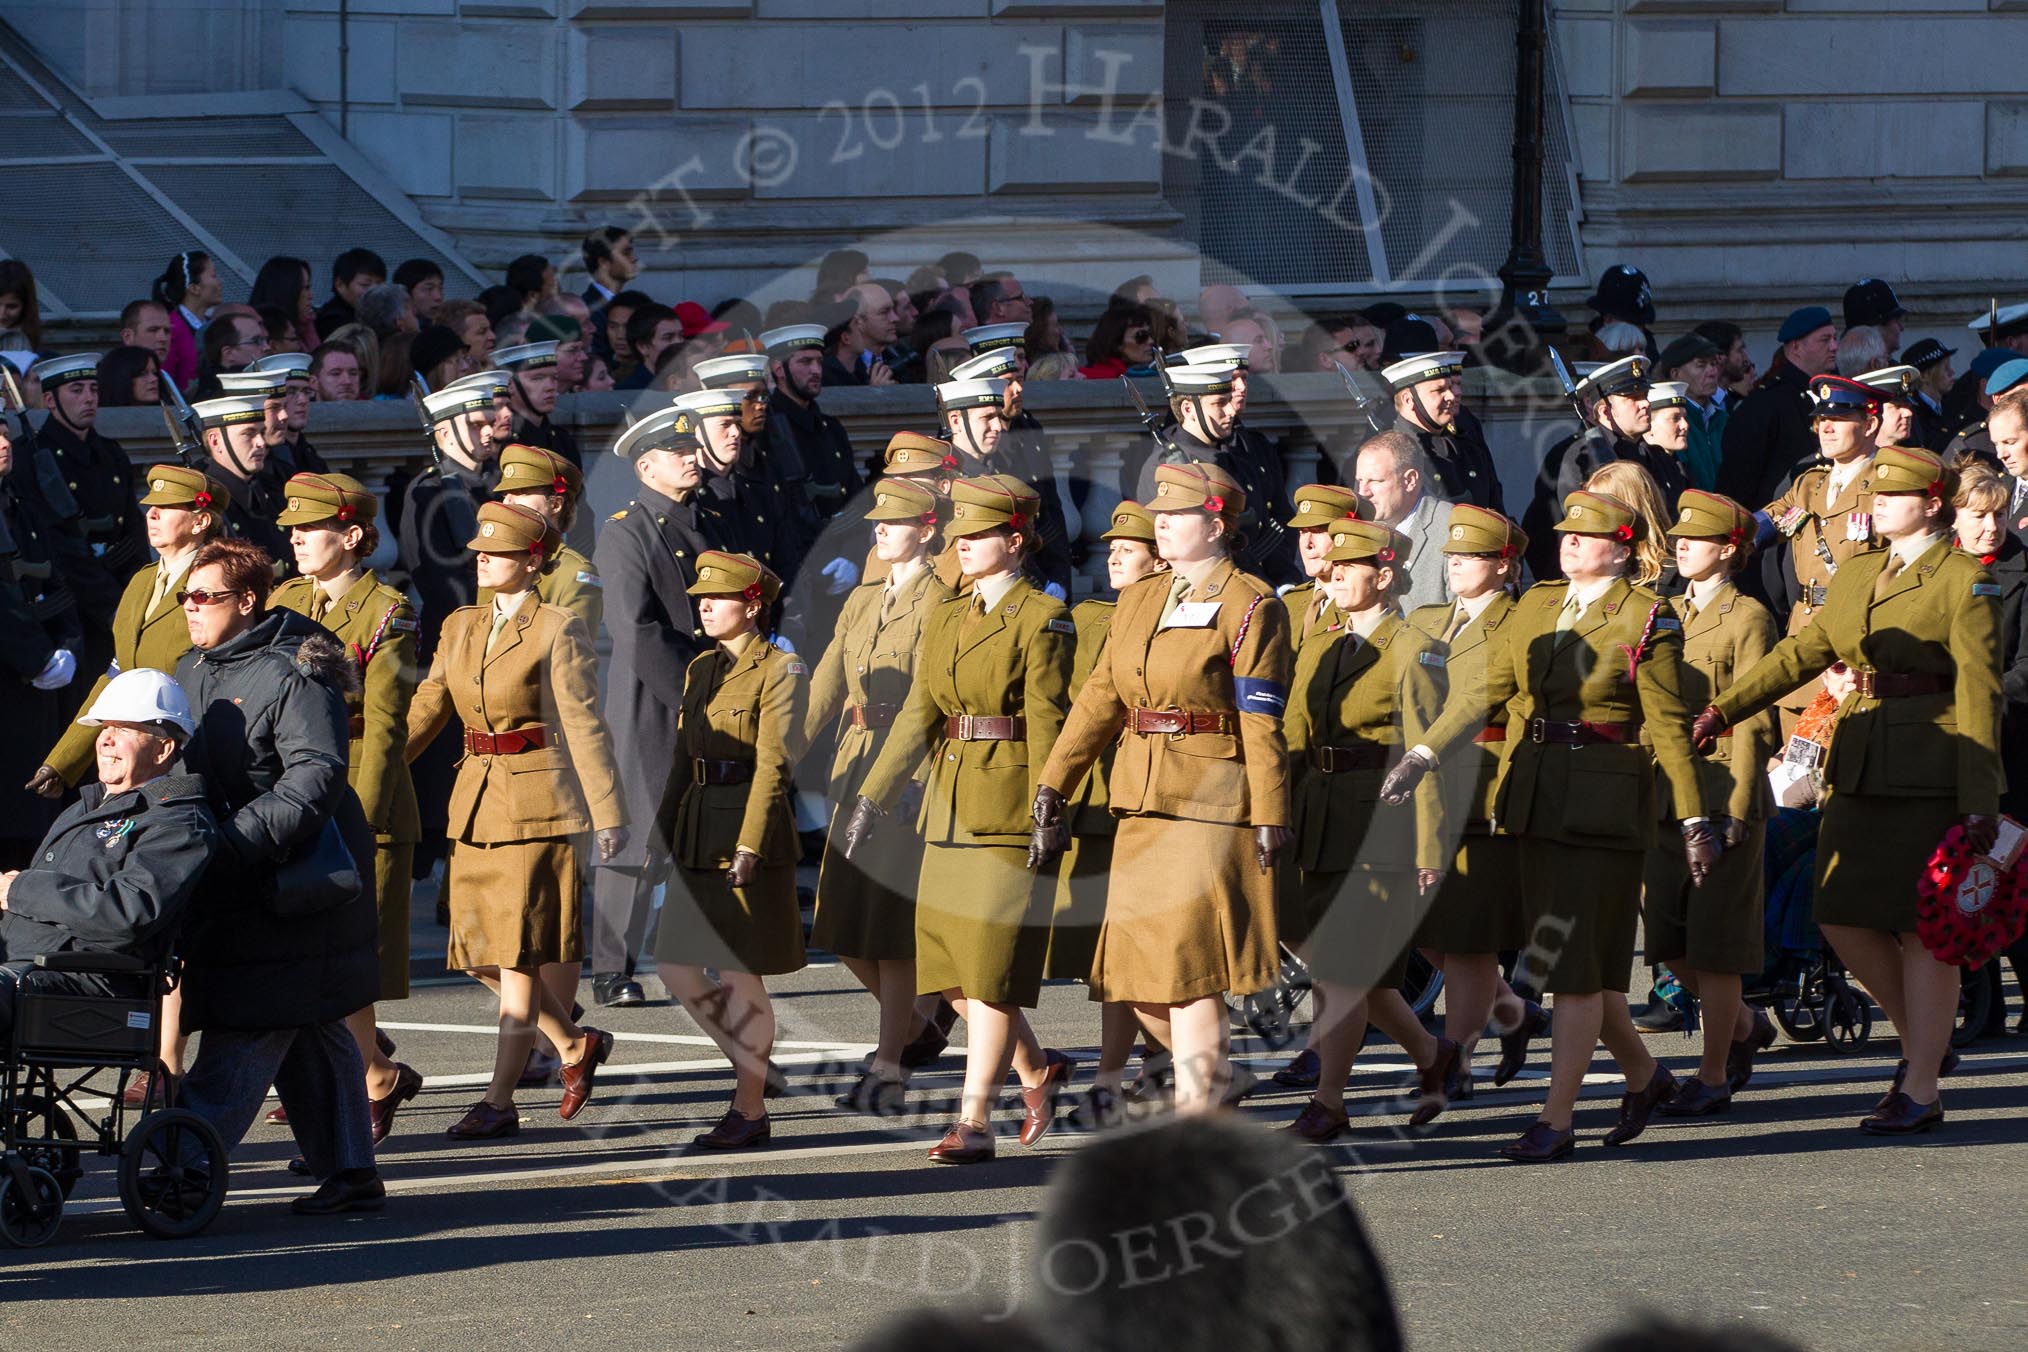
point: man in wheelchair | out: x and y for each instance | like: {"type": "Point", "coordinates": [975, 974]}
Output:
{"type": "Point", "coordinates": [117, 869]}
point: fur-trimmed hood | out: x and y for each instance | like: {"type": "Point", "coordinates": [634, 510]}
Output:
{"type": "Point", "coordinates": [322, 657]}
{"type": "Point", "coordinates": [296, 639]}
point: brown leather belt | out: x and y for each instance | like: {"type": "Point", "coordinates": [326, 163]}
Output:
{"type": "Point", "coordinates": [871, 715]}
{"type": "Point", "coordinates": [506, 743]}
{"type": "Point", "coordinates": [1174, 722]}
{"type": "Point", "coordinates": [1498, 734]}
{"type": "Point", "coordinates": [1336, 760]}
{"type": "Point", "coordinates": [1892, 684]}
{"type": "Point", "coordinates": [355, 726]}
{"type": "Point", "coordinates": [720, 771]}
{"type": "Point", "coordinates": [1581, 734]}
{"type": "Point", "coordinates": [985, 728]}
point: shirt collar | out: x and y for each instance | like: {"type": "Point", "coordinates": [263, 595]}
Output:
{"type": "Point", "coordinates": [509, 603]}
{"type": "Point", "coordinates": [738, 644]}
{"type": "Point", "coordinates": [1704, 593]}
{"type": "Point", "coordinates": [1913, 547]}
{"type": "Point", "coordinates": [1476, 606]}
{"type": "Point", "coordinates": [1364, 623]}
{"type": "Point", "coordinates": [1197, 572]}
{"type": "Point", "coordinates": [992, 590]}
{"type": "Point", "coordinates": [901, 574]}
{"type": "Point", "coordinates": [1591, 591]}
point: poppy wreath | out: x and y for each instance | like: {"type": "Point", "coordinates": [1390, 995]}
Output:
{"type": "Point", "coordinates": [1967, 909]}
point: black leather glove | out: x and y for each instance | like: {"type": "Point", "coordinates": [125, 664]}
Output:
{"type": "Point", "coordinates": [1701, 847]}
{"type": "Point", "coordinates": [611, 840]}
{"type": "Point", "coordinates": [1731, 830]}
{"type": "Point", "coordinates": [1048, 840]}
{"type": "Point", "coordinates": [1704, 729]}
{"type": "Point", "coordinates": [745, 863]}
{"type": "Point", "coordinates": [1269, 841]}
{"type": "Point", "coordinates": [1981, 832]}
{"type": "Point", "coordinates": [865, 816]}
{"type": "Point", "coordinates": [1402, 779]}
{"type": "Point", "coordinates": [910, 806]}
{"type": "Point", "coordinates": [46, 782]}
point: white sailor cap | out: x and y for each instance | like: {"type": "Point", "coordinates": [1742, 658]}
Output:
{"type": "Point", "coordinates": [1205, 378]}
{"type": "Point", "coordinates": [294, 366]}
{"type": "Point", "coordinates": [710, 403]}
{"type": "Point", "coordinates": [525, 356]}
{"type": "Point", "coordinates": [1625, 376]}
{"type": "Point", "coordinates": [999, 361]}
{"type": "Point", "coordinates": [266, 384]}
{"type": "Point", "coordinates": [1421, 366]}
{"type": "Point", "coordinates": [1217, 354]}
{"type": "Point", "coordinates": [55, 371]}
{"type": "Point", "coordinates": [454, 400]}
{"type": "Point", "coordinates": [988, 337]}
{"type": "Point", "coordinates": [495, 383]}
{"type": "Point", "coordinates": [741, 368]}
{"type": "Point", "coordinates": [1897, 384]}
{"type": "Point", "coordinates": [792, 338]}
{"type": "Point", "coordinates": [666, 429]}
{"type": "Point", "coordinates": [2008, 316]}
{"type": "Point", "coordinates": [231, 409]}
{"type": "Point", "coordinates": [971, 393]}
{"type": "Point", "coordinates": [1668, 394]}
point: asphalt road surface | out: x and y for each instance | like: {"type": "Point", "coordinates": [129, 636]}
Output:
{"type": "Point", "coordinates": [609, 1229]}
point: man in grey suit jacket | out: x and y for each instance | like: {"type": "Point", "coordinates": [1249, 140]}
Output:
{"type": "Point", "coordinates": [1393, 473]}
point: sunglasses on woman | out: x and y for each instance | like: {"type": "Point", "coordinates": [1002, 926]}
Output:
{"type": "Point", "coordinates": [204, 598]}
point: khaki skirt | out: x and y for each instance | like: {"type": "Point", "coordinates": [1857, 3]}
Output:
{"type": "Point", "coordinates": [866, 905]}
{"type": "Point", "coordinates": [1871, 851]}
{"type": "Point", "coordinates": [1478, 907]}
{"type": "Point", "coordinates": [1580, 909]}
{"type": "Point", "coordinates": [758, 929]}
{"type": "Point", "coordinates": [514, 904]}
{"type": "Point", "coordinates": [1365, 922]}
{"type": "Point", "coordinates": [391, 886]}
{"type": "Point", "coordinates": [1189, 914]}
{"type": "Point", "coordinates": [1719, 927]}
{"type": "Point", "coordinates": [981, 924]}
{"type": "Point", "coordinates": [1080, 908]}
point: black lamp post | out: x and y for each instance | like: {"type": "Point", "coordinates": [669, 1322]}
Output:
{"type": "Point", "coordinates": [1525, 323]}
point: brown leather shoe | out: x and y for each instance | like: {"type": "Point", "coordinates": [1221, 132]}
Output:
{"type": "Point", "coordinates": [1739, 1057]}
{"type": "Point", "coordinates": [1903, 1116]}
{"type": "Point", "coordinates": [1301, 1072]}
{"type": "Point", "coordinates": [277, 1116]}
{"type": "Point", "coordinates": [1041, 1100]}
{"type": "Point", "coordinates": [1698, 1099]}
{"type": "Point", "coordinates": [486, 1123]}
{"type": "Point", "coordinates": [1539, 1144]}
{"type": "Point", "coordinates": [964, 1143]}
{"type": "Point", "coordinates": [1944, 1068]}
{"type": "Point", "coordinates": [581, 1075]}
{"type": "Point", "coordinates": [1430, 1086]}
{"type": "Point", "coordinates": [1635, 1108]}
{"type": "Point", "coordinates": [1514, 1042]}
{"type": "Point", "coordinates": [735, 1131]}
{"type": "Point", "coordinates": [407, 1084]}
{"type": "Point", "coordinates": [1318, 1124]}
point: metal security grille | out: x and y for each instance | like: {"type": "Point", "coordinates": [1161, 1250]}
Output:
{"type": "Point", "coordinates": [1381, 136]}
{"type": "Point", "coordinates": [103, 205]}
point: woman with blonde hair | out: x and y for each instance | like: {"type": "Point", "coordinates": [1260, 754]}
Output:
{"type": "Point", "coordinates": [1653, 564]}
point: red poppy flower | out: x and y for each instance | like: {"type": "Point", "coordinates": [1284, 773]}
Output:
{"type": "Point", "coordinates": [1017, 522]}
{"type": "Point", "coordinates": [1624, 534]}
{"type": "Point", "coordinates": [950, 462]}
{"type": "Point", "coordinates": [752, 592]}
{"type": "Point", "coordinates": [560, 486]}
{"type": "Point", "coordinates": [345, 512]}
{"type": "Point", "coordinates": [1213, 503]}
{"type": "Point", "coordinates": [202, 501]}
{"type": "Point", "coordinates": [1386, 556]}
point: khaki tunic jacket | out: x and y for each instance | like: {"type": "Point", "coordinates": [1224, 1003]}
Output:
{"type": "Point", "coordinates": [141, 638]}
{"type": "Point", "coordinates": [1471, 772]}
{"type": "Point", "coordinates": [1821, 525]}
{"type": "Point", "coordinates": [1939, 617]}
{"type": "Point", "coordinates": [540, 671]}
{"type": "Point", "coordinates": [1722, 642]}
{"type": "Point", "coordinates": [1381, 691]}
{"type": "Point", "coordinates": [869, 662]}
{"type": "Point", "coordinates": [746, 708]}
{"type": "Point", "coordinates": [378, 628]}
{"type": "Point", "coordinates": [1240, 780]}
{"type": "Point", "coordinates": [1310, 614]}
{"type": "Point", "coordinates": [1601, 795]}
{"type": "Point", "coordinates": [1014, 660]}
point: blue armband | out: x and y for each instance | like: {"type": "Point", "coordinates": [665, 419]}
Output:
{"type": "Point", "coordinates": [1256, 696]}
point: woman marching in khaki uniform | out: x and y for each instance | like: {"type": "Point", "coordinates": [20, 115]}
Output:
{"type": "Point", "coordinates": [928, 463]}
{"type": "Point", "coordinates": [986, 706]}
{"type": "Point", "coordinates": [1362, 695]}
{"type": "Point", "coordinates": [1086, 869]}
{"type": "Point", "coordinates": [1711, 935]}
{"type": "Point", "coordinates": [1915, 752]}
{"type": "Point", "coordinates": [728, 823]}
{"type": "Point", "coordinates": [537, 771]}
{"type": "Point", "coordinates": [331, 532]}
{"type": "Point", "coordinates": [1190, 687]}
{"type": "Point", "coordinates": [866, 906]}
{"type": "Point", "coordinates": [1584, 665]}
{"type": "Point", "coordinates": [1476, 915]}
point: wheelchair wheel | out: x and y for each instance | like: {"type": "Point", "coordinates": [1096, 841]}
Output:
{"type": "Point", "coordinates": [1422, 983]}
{"type": "Point", "coordinates": [1977, 993]}
{"type": "Point", "coordinates": [1848, 1020]}
{"type": "Point", "coordinates": [29, 1217]}
{"type": "Point", "coordinates": [35, 1116]}
{"type": "Point", "coordinates": [1799, 1004]}
{"type": "Point", "coordinates": [168, 1195]}
{"type": "Point", "coordinates": [1270, 1015]}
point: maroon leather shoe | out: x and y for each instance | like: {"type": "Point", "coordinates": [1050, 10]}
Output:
{"type": "Point", "coordinates": [1903, 1116]}
{"type": "Point", "coordinates": [1698, 1099]}
{"type": "Point", "coordinates": [1431, 1101]}
{"type": "Point", "coordinates": [1041, 1100]}
{"type": "Point", "coordinates": [1301, 1072]}
{"type": "Point", "coordinates": [1739, 1057]}
{"type": "Point", "coordinates": [142, 1088]}
{"type": "Point", "coordinates": [1539, 1144]}
{"type": "Point", "coordinates": [1514, 1042]}
{"type": "Point", "coordinates": [964, 1143]}
{"type": "Point", "coordinates": [1318, 1124]}
{"type": "Point", "coordinates": [407, 1084]}
{"type": "Point", "coordinates": [735, 1131]}
{"type": "Point", "coordinates": [277, 1116]}
{"type": "Point", "coordinates": [1635, 1108]}
{"type": "Point", "coordinates": [581, 1075]}
{"type": "Point", "coordinates": [1944, 1068]}
{"type": "Point", "coordinates": [486, 1123]}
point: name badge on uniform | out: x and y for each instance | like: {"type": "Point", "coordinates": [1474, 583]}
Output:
{"type": "Point", "coordinates": [1859, 525]}
{"type": "Point", "coordinates": [1192, 615]}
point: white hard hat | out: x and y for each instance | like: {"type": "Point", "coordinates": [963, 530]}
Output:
{"type": "Point", "coordinates": [143, 695]}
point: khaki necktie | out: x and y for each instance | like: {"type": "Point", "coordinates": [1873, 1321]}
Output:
{"type": "Point", "coordinates": [162, 581]}
{"type": "Point", "coordinates": [500, 618]}
{"type": "Point", "coordinates": [1178, 589]}
{"type": "Point", "coordinates": [1566, 617]}
{"type": "Point", "coordinates": [1894, 566]}
{"type": "Point", "coordinates": [320, 604]}
{"type": "Point", "coordinates": [1462, 618]}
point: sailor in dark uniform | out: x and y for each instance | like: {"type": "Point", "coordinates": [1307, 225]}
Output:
{"type": "Point", "coordinates": [741, 510]}
{"type": "Point", "coordinates": [293, 454]}
{"type": "Point", "coordinates": [1616, 397]}
{"type": "Point", "coordinates": [40, 636]}
{"type": "Point", "coordinates": [823, 453]}
{"type": "Point", "coordinates": [1425, 387]}
{"type": "Point", "coordinates": [1256, 462]}
{"type": "Point", "coordinates": [235, 443]}
{"type": "Point", "coordinates": [531, 391]}
{"type": "Point", "coordinates": [1017, 449]}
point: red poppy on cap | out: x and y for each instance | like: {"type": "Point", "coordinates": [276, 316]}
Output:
{"type": "Point", "coordinates": [344, 511]}
{"type": "Point", "coordinates": [1017, 522]}
{"type": "Point", "coordinates": [536, 549]}
{"type": "Point", "coordinates": [751, 592]}
{"type": "Point", "coordinates": [1624, 534]}
{"type": "Point", "coordinates": [560, 486]}
{"type": "Point", "coordinates": [928, 518]}
{"type": "Point", "coordinates": [202, 501]}
{"type": "Point", "coordinates": [1214, 503]}
{"type": "Point", "coordinates": [950, 462]}
{"type": "Point", "coordinates": [1508, 551]}
{"type": "Point", "coordinates": [1385, 555]}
